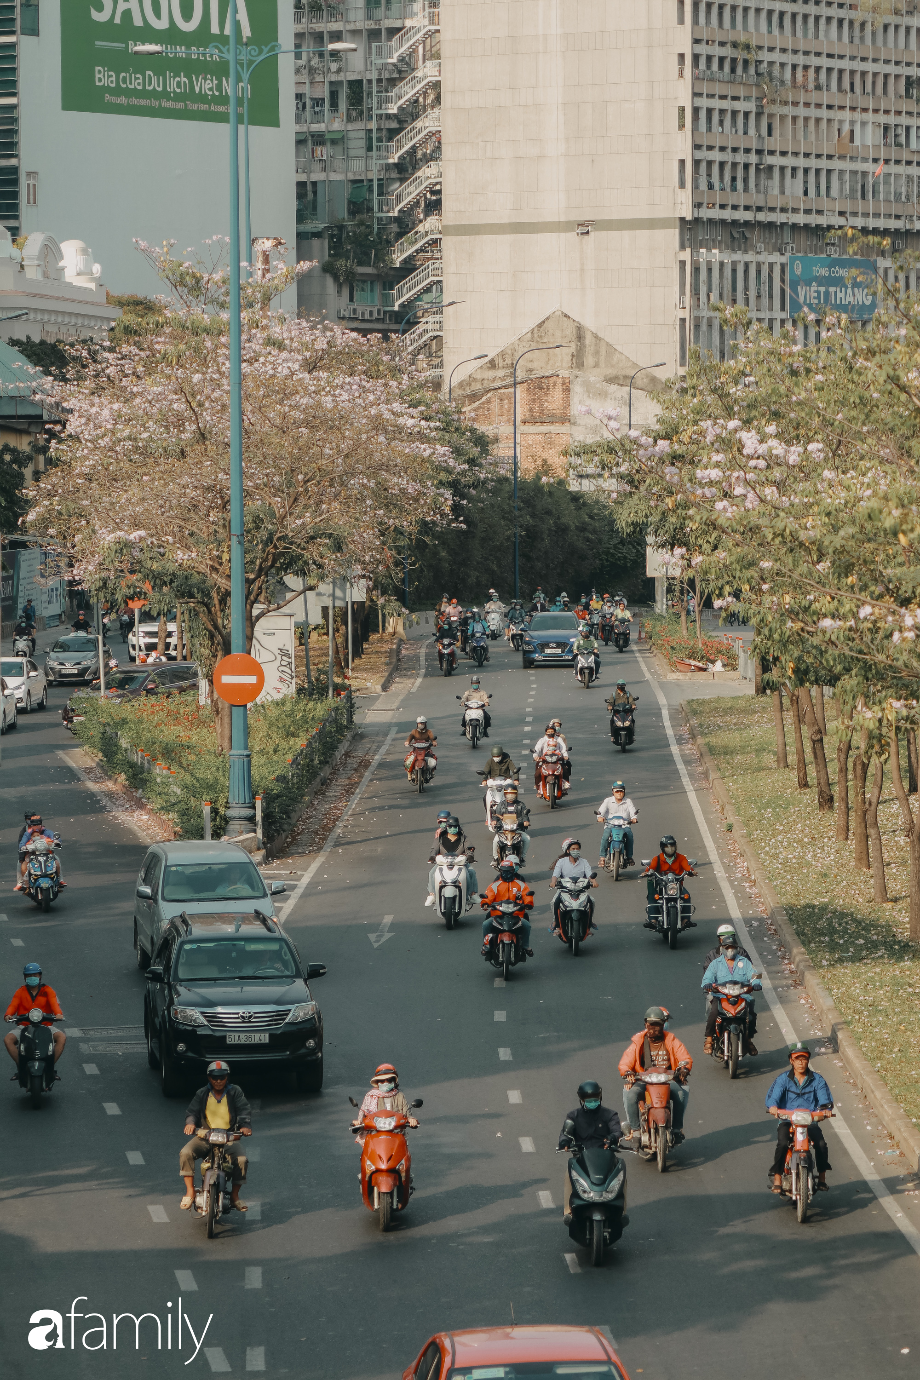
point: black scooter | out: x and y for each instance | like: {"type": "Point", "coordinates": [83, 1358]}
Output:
{"type": "Point", "coordinates": [621, 634]}
{"type": "Point", "coordinates": [670, 909]}
{"type": "Point", "coordinates": [35, 1067]}
{"type": "Point", "coordinates": [598, 1202]}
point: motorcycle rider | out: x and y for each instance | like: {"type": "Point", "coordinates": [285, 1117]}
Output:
{"type": "Point", "coordinates": [500, 766]}
{"type": "Point", "coordinates": [450, 842]}
{"type": "Point", "coordinates": [477, 627]}
{"type": "Point", "coordinates": [668, 860]}
{"type": "Point", "coordinates": [447, 631]}
{"type": "Point", "coordinates": [507, 887]}
{"type": "Point", "coordinates": [35, 829]}
{"type": "Point", "coordinates": [595, 1125]}
{"type": "Point", "coordinates": [729, 966]}
{"type": "Point", "coordinates": [466, 619]}
{"type": "Point", "coordinates": [220, 1106]}
{"type": "Point", "coordinates": [585, 644]}
{"type": "Point", "coordinates": [617, 805]}
{"type": "Point", "coordinates": [620, 702]}
{"type": "Point", "coordinates": [421, 734]}
{"type": "Point", "coordinates": [621, 611]}
{"type": "Point", "coordinates": [511, 805]}
{"type": "Point", "coordinates": [27, 631]}
{"type": "Point", "coordinates": [650, 1048]}
{"type": "Point", "coordinates": [561, 738]}
{"type": "Point", "coordinates": [33, 992]}
{"type": "Point", "coordinates": [493, 604]}
{"type": "Point", "coordinates": [570, 863]}
{"type": "Point", "coordinates": [799, 1086]}
{"type": "Point", "coordinates": [725, 935]}
{"type": "Point", "coordinates": [384, 1096]}
{"type": "Point", "coordinates": [81, 623]}
{"type": "Point", "coordinates": [550, 742]}
{"type": "Point", "coordinates": [475, 692]}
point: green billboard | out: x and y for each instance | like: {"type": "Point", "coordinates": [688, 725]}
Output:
{"type": "Point", "coordinates": [100, 72]}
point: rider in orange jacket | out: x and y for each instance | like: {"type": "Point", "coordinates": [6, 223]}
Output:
{"type": "Point", "coordinates": [669, 860]}
{"type": "Point", "coordinates": [655, 1048]}
{"type": "Point", "coordinates": [509, 887]}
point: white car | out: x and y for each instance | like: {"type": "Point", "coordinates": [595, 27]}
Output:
{"type": "Point", "coordinates": [150, 633]}
{"type": "Point", "coordinates": [9, 718]}
{"type": "Point", "coordinates": [27, 681]}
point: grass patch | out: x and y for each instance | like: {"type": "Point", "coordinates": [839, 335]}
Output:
{"type": "Point", "coordinates": [664, 634]}
{"type": "Point", "coordinates": [860, 949]}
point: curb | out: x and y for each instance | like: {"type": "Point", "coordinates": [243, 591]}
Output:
{"type": "Point", "coordinates": [902, 1130]}
{"type": "Point", "coordinates": [311, 790]}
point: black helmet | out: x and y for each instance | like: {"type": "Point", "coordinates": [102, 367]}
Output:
{"type": "Point", "coordinates": [668, 842]}
{"type": "Point", "coordinates": [589, 1090]}
{"type": "Point", "coordinates": [453, 825]}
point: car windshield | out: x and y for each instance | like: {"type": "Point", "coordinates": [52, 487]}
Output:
{"type": "Point", "coordinates": [542, 622]}
{"type": "Point", "coordinates": [234, 960]}
{"type": "Point", "coordinates": [125, 680]}
{"type": "Point", "coordinates": [536, 1370]}
{"type": "Point", "coordinates": [234, 880]}
{"type": "Point", "coordinates": [77, 643]}
{"type": "Point", "coordinates": [13, 670]}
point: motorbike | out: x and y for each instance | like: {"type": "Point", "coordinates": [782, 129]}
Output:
{"type": "Point", "coordinates": [494, 620]}
{"type": "Point", "coordinates": [598, 1201]}
{"type": "Point", "coordinates": [420, 763]}
{"type": "Point", "coordinates": [493, 799]}
{"type": "Point", "coordinates": [657, 1135]}
{"type": "Point", "coordinates": [509, 842]}
{"type": "Point", "coordinates": [573, 912]}
{"type": "Point", "coordinates": [516, 634]}
{"type": "Point", "coordinates": [506, 950]}
{"type": "Point", "coordinates": [478, 647]}
{"type": "Point", "coordinates": [733, 1018]}
{"type": "Point", "coordinates": [621, 634]}
{"type": "Point", "coordinates": [22, 646]}
{"type": "Point", "coordinates": [671, 904]}
{"type": "Point", "coordinates": [35, 1066]}
{"type": "Point", "coordinates": [41, 882]}
{"type": "Point", "coordinates": [551, 784]}
{"type": "Point", "coordinates": [475, 716]}
{"type": "Point", "coordinates": [616, 848]}
{"type": "Point", "coordinates": [447, 655]}
{"type": "Point", "coordinates": [606, 628]}
{"type": "Point", "coordinates": [799, 1170]}
{"type": "Point", "coordinates": [212, 1199]}
{"type": "Point", "coordinates": [386, 1165]}
{"type": "Point", "coordinates": [451, 883]}
{"type": "Point", "coordinates": [584, 667]}
{"type": "Point", "coordinates": [623, 728]}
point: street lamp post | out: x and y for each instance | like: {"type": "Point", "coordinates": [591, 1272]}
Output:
{"type": "Point", "coordinates": [533, 350]}
{"type": "Point", "coordinates": [450, 381]}
{"type": "Point", "coordinates": [659, 365]}
{"type": "Point", "coordinates": [432, 306]}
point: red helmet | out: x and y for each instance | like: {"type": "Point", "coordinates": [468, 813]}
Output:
{"type": "Point", "coordinates": [385, 1073]}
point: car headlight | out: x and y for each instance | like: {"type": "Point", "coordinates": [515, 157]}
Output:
{"type": "Point", "coordinates": [185, 1015]}
{"type": "Point", "coordinates": [305, 1012]}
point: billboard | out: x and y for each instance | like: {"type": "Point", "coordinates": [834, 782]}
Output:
{"type": "Point", "coordinates": [845, 286]}
{"type": "Point", "coordinates": [101, 73]}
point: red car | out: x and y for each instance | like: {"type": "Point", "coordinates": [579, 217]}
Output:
{"type": "Point", "coordinates": [518, 1353]}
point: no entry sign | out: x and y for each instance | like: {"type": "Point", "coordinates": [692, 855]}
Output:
{"type": "Point", "coordinates": [238, 679]}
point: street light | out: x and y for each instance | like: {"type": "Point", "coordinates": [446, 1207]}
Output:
{"type": "Point", "coordinates": [659, 365]}
{"type": "Point", "coordinates": [453, 371]}
{"type": "Point", "coordinates": [533, 350]}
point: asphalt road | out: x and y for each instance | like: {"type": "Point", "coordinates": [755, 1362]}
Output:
{"type": "Point", "coordinates": [713, 1271]}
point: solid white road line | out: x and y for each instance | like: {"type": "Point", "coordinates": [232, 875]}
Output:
{"type": "Point", "coordinates": [253, 1277]}
{"type": "Point", "coordinates": [112, 1109]}
{"type": "Point", "coordinates": [186, 1281]}
{"type": "Point", "coordinates": [157, 1212]}
{"type": "Point", "coordinates": [514, 1096]}
{"type": "Point", "coordinates": [572, 1261]}
{"type": "Point", "coordinates": [255, 1358]}
{"type": "Point", "coordinates": [546, 1198]}
{"type": "Point", "coordinates": [504, 1053]}
{"type": "Point", "coordinates": [135, 1157]}
{"type": "Point", "coordinates": [421, 673]}
{"type": "Point", "coordinates": [332, 840]}
{"type": "Point", "coordinates": [527, 1145]}
{"type": "Point", "coordinates": [838, 1124]}
{"type": "Point", "coordinates": [217, 1360]}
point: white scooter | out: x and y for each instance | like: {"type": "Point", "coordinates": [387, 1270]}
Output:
{"type": "Point", "coordinates": [494, 621]}
{"type": "Point", "coordinates": [494, 800]}
{"type": "Point", "coordinates": [584, 668]}
{"type": "Point", "coordinates": [451, 887]}
{"type": "Point", "coordinates": [475, 721]}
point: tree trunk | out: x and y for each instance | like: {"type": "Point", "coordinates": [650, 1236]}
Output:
{"type": "Point", "coordinates": [807, 709]}
{"type": "Point", "coordinates": [819, 709]}
{"type": "Point", "coordinates": [222, 721]}
{"type": "Point", "coordinates": [782, 759]}
{"type": "Point", "coordinates": [179, 632]}
{"type": "Point", "coordinates": [911, 829]}
{"type": "Point", "coordinates": [843, 786]}
{"type": "Point", "coordinates": [699, 610]}
{"type": "Point", "coordinates": [912, 761]}
{"type": "Point", "coordinates": [682, 586]}
{"type": "Point", "coordinates": [161, 635]}
{"type": "Point", "coordinates": [879, 889]}
{"type": "Point", "coordinates": [860, 835]}
{"type": "Point", "coordinates": [801, 767]}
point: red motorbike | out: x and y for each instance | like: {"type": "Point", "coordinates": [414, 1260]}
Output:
{"type": "Point", "coordinates": [550, 781]}
{"type": "Point", "coordinates": [733, 1022]}
{"type": "Point", "coordinates": [386, 1165]}
{"type": "Point", "coordinates": [799, 1170]}
{"type": "Point", "coordinates": [447, 652]}
{"type": "Point", "coordinates": [656, 1134]}
{"type": "Point", "coordinates": [506, 947]}
{"type": "Point", "coordinates": [420, 763]}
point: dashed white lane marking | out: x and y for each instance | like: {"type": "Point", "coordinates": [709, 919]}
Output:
{"type": "Point", "coordinates": [134, 1157]}
{"type": "Point", "coordinates": [255, 1358]}
{"type": "Point", "coordinates": [527, 1145]}
{"type": "Point", "coordinates": [504, 1053]}
{"type": "Point", "coordinates": [255, 1212]}
{"type": "Point", "coordinates": [499, 982]}
{"type": "Point", "coordinates": [186, 1281]}
{"type": "Point", "coordinates": [157, 1212]}
{"type": "Point", "coordinates": [514, 1096]}
{"type": "Point", "coordinates": [546, 1198]}
{"type": "Point", "coordinates": [253, 1277]}
{"type": "Point", "coordinates": [217, 1360]}
{"type": "Point", "coordinates": [112, 1109]}
{"type": "Point", "coordinates": [91, 1069]}
{"type": "Point", "coordinates": [498, 1015]}
{"type": "Point", "coordinates": [838, 1124]}
{"type": "Point", "coordinates": [17, 943]}
{"type": "Point", "coordinates": [572, 1261]}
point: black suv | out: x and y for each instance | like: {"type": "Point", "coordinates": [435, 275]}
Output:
{"type": "Point", "coordinates": [231, 987]}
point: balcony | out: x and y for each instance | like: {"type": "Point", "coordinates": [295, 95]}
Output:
{"type": "Point", "coordinates": [429, 22]}
{"type": "Point", "coordinates": [414, 85]}
{"type": "Point", "coordinates": [429, 123]}
{"type": "Point", "coordinates": [427, 177]}
{"type": "Point", "coordinates": [427, 232]}
{"type": "Point", "coordinates": [423, 277]}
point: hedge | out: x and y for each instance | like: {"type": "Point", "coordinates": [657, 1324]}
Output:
{"type": "Point", "coordinates": [665, 636]}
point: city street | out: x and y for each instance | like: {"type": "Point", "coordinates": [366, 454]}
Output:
{"type": "Point", "coordinates": [713, 1271]}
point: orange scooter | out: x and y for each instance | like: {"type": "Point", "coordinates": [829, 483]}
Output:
{"type": "Point", "coordinates": [550, 781]}
{"type": "Point", "coordinates": [386, 1165]}
{"type": "Point", "coordinates": [656, 1132]}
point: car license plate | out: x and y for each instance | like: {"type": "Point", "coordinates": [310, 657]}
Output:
{"type": "Point", "coordinates": [251, 1037]}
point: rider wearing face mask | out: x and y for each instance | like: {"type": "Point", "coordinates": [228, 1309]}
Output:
{"type": "Point", "coordinates": [550, 742]}
{"type": "Point", "coordinates": [570, 863]}
{"type": "Point", "coordinates": [668, 860]}
{"type": "Point", "coordinates": [511, 805]}
{"type": "Point", "coordinates": [475, 695]}
{"type": "Point", "coordinates": [729, 966]}
{"type": "Point", "coordinates": [33, 992]}
{"type": "Point", "coordinates": [507, 887]}
{"type": "Point", "coordinates": [595, 1125]}
{"type": "Point", "coordinates": [450, 842]}
{"type": "Point", "coordinates": [384, 1096]}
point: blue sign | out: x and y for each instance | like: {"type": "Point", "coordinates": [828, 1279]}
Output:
{"type": "Point", "coordinates": [846, 286]}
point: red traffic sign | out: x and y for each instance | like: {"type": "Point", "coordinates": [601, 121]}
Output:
{"type": "Point", "coordinates": [137, 603]}
{"type": "Point", "coordinates": [239, 679]}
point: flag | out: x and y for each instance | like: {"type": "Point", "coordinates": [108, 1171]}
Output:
{"type": "Point", "coordinates": [878, 170]}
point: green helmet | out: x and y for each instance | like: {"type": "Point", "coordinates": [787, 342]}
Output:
{"type": "Point", "coordinates": [498, 751]}
{"type": "Point", "coordinates": [655, 1013]}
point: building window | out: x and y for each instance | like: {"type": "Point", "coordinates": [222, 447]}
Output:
{"type": "Point", "coordinates": [28, 18]}
{"type": "Point", "coordinates": [366, 294]}
{"type": "Point", "coordinates": [681, 173]}
{"type": "Point", "coordinates": [32, 189]}
{"type": "Point", "coordinates": [681, 117]}
{"type": "Point", "coordinates": [680, 11]}
{"type": "Point", "coordinates": [8, 70]}
{"type": "Point", "coordinates": [682, 342]}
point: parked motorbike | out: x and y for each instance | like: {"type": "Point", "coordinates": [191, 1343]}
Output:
{"type": "Point", "coordinates": [35, 1066]}
{"type": "Point", "coordinates": [509, 842]}
{"type": "Point", "coordinates": [598, 1201]}
{"type": "Point", "coordinates": [41, 882]}
{"type": "Point", "coordinates": [621, 634]}
{"type": "Point", "coordinates": [506, 949]}
{"type": "Point", "coordinates": [420, 763]}
{"type": "Point", "coordinates": [494, 621]}
{"type": "Point", "coordinates": [657, 1135]}
{"type": "Point", "coordinates": [733, 1018]}
{"type": "Point", "coordinates": [386, 1165]}
{"type": "Point", "coordinates": [572, 910]}
{"type": "Point", "coordinates": [451, 887]}
{"type": "Point", "coordinates": [671, 905]}
{"type": "Point", "coordinates": [623, 728]}
{"type": "Point", "coordinates": [616, 848]}
{"type": "Point", "coordinates": [584, 668]}
{"type": "Point", "coordinates": [799, 1170]}
{"type": "Point", "coordinates": [550, 781]}
{"type": "Point", "coordinates": [447, 655]}
{"type": "Point", "coordinates": [494, 798]}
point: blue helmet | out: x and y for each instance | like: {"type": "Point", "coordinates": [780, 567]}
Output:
{"type": "Point", "coordinates": [32, 973]}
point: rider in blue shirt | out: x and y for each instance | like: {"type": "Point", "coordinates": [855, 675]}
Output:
{"type": "Point", "coordinates": [729, 966]}
{"type": "Point", "coordinates": [801, 1087]}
